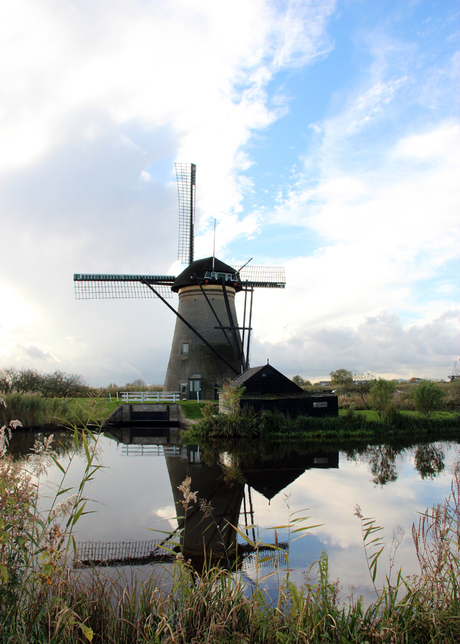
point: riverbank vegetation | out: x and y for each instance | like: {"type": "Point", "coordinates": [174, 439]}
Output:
{"type": "Point", "coordinates": [365, 391]}
{"type": "Point", "coordinates": [348, 426]}
{"type": "Point", "coordinates": [62, 385]}
{"type": "Point", "coordinates": [433, 412]}
{"type": "Point", "coordinates": [47, 413]}
{"type": "Point", "coordinates": [37, 411]}
{"type": "Point", "coordinates": [43, 598]}
{"type": "Point", "coordinates": [59, 398]}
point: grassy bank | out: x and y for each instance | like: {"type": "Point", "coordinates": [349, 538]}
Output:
{"type": "Point", "coordinates": [37, 411]}
{"type": "Point", "coordinates": [350, 425]}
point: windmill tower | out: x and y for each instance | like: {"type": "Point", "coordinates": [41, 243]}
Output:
{"type": "Point", "coordinates": [208, 345]}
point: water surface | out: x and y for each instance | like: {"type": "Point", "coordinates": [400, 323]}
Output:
{"type": "Point", "coordinates": [136, 494]}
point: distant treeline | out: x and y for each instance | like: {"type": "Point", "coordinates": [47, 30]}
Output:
{"type": "Point", "coordinates": [60, 384]}
{"type": "Point", "coordinates": [136, 385]}
{"type": "Point", "coordinates": [366, 391]}
{"type": "Point", "coordinates": [49, 385]}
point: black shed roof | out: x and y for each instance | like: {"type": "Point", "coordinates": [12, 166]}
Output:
{"type": "Point", "coordinates": [265, 380]}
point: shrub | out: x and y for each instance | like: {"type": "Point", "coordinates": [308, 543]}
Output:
{"type": "Point", "coordinates": [381, 395]}
{"type": "Point", "coordinates": [231, 398]}
{"type": "Point", "coordinates": [428, 398]}
{"type": "Point", "coordinates": [452, 398]}
{"type": "Point", "coordinates": [394, 418]}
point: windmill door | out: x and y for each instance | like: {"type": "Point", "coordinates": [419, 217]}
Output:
{"type": "Point", "coordinates": [194, 387]}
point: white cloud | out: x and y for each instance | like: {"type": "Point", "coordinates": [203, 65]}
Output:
{"type": "Point", "coordinates": [15, 310]}
{"type": "Point", "coordinates": [439, 145]}
{"type": "Point", "coordinates": [202, 70]}
{"type": "Point", "coordinates": [96, 100]}
{"type": "Point", "coordinates": [378, 343]}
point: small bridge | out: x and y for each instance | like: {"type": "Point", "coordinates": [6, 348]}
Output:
{"type": "Point", "coordinates": [149, 396]}
{"type": "Point", "coordinates": [142, 421]}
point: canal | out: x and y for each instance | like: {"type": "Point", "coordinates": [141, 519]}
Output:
{"type": "Point", "coordinates": [134, 499]}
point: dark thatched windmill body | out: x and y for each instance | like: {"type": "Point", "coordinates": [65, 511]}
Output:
{"type": "Point", "coordinates": [208, 346]}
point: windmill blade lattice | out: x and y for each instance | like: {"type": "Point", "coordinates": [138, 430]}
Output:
{"type": "Point", "coordinates": [186, 188]}
{"type": "Point", "coordinates": [106, 287]}
{"type": "Point", "coordinates": [263, 276]}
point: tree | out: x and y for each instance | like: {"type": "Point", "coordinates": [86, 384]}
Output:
{"type": "Point", "coordinates": [231, 398]}
{"type": "Point", "coordinates": [350, 382]}
{"type": "Point", "coordinates": [342, 379]}
{"type": "Point", "coordinates": [362, 385]}
{"type": "Point", "coordinates": [28, 381]}
{"type": "Point", "coordinates": [452, 400]}
{"type": "Point", "coordinates": [298, 380]}
{"type": "Point", "coordinates": [382, 460]}
{"type": "Point", "coordinates": [8, 379]}
{"type": "Point", "coordinates": [428, 397]}
{"type": "Point", "coordinates": [136, 383]}
{"type": "Point", "coordinates": [62, 385]}
{"type": "Point", "coordinates": [429, 461]}
{"type": "Point", "coordinates": [381, 393]}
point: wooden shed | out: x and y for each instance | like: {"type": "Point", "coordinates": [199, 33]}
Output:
{"type": "Point", "coordinates": [267, 388]}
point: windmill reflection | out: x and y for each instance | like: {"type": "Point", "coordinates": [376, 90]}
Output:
{"type": "Point", "coordinates": [206, 524]}
{"type": "Point", "coordinates": [210, 499]}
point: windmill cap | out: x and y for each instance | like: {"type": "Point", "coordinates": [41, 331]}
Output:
{"type": "Point", "coordinates": [203, 270]}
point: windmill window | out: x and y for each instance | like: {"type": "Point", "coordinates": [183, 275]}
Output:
{"type": "Point", "coordinates": [183, 387]}
{"type": "Point", "coordinates": [185, 348]}
{"type": "Point", "coordinates": [228, 277]}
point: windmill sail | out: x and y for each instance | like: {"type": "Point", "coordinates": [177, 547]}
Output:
{"type": "Point", "coordinates": [263, 276]}
{"type": "Point", "coordinates": [104, 287]}
{"type": "Point", "coordinates": [186, 176]}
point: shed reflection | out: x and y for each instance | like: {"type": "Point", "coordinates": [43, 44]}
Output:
{"type": "Point", "coordinates": [219, 496]}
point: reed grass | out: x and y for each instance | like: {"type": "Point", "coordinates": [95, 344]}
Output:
{"type": "Point", "coordinates": [36, 411]}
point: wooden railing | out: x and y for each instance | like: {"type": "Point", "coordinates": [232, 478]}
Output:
{"type": "Point", "coordinates": [149, 396]}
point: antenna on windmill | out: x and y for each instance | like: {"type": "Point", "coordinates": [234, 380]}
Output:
{"type": "Point", "coordinates": [249, 260]}
{"type": "Point", "coordinates": [214, 249]}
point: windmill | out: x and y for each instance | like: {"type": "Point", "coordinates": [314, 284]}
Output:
{"type": "Point", "coordinates": [208, 346]}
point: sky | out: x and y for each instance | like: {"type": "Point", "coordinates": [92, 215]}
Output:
{"type": "Point", "coordinates": [326, 137]}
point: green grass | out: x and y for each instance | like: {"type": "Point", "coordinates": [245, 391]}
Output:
{"type": "Point", "coordinates": [192, 409]}
{"type": "Point", "coordinates": [36, 411]}
{"type": "Point", "coordinates": [370, 414]}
